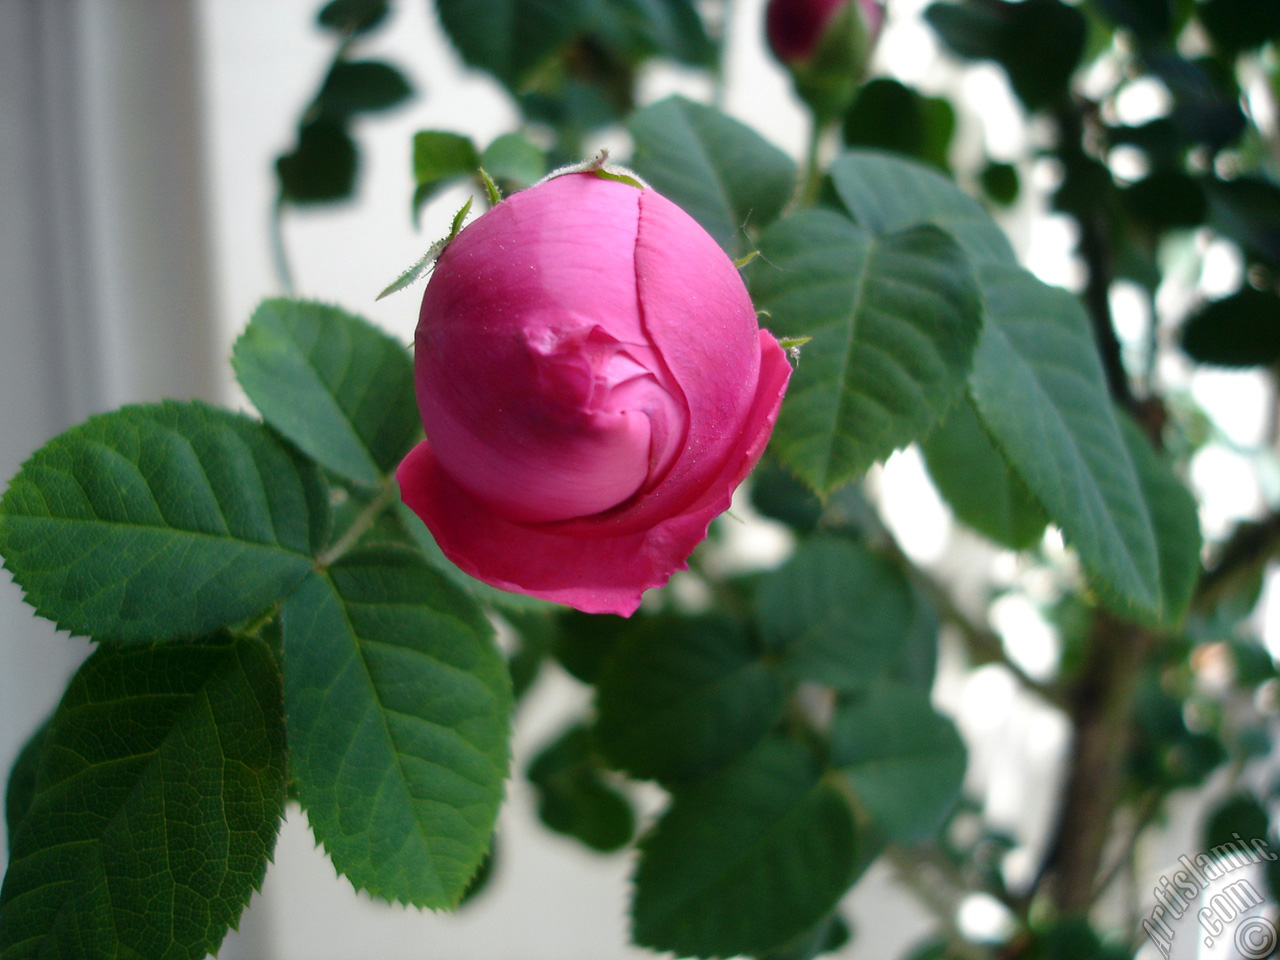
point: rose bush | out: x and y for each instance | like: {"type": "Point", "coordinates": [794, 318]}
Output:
{"type": "Point", "coordinates": [593, 385]}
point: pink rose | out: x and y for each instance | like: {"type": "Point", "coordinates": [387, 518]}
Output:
{"type": "Point", "coordinates": [795, 27]}
{"type": "Point", "coordinates": [593, 386]}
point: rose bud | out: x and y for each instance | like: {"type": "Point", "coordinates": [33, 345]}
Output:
{"type": "Point", "coordinates": [593, 385]}
{"type": "Point", "coordinates": [826, 44]}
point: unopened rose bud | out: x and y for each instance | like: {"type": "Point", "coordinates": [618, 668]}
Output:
{"type": "Point", "coordinates": [826, 44]}
{"type": "Point", "coordinates": [593, 385]}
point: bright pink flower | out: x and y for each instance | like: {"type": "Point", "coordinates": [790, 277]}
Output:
{"type": "Point", "coordinates": [794, 28]}
{"type": "Point", "coordinates": [593, 386]}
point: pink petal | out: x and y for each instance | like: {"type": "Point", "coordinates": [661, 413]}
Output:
{"type": "Point", "coordinates": [605, 573]}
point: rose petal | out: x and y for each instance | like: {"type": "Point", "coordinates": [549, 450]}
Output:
{"type": "Point", "coordinates": [527, 325]}
{"type": "Point", "coordinates": [606, 573]}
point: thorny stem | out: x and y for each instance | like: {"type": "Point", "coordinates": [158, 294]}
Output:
{"type": "Point", "coordinates": [363, 521]}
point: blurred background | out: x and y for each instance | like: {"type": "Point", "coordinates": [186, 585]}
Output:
{"type": "Point", "coordinates": [136, 190]}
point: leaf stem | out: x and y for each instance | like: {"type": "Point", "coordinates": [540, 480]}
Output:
{"type": "Point", "coordinates": [279, 255]}
{"type": "Point", "coordinates": [360, 525]}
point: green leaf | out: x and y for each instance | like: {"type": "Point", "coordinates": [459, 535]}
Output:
{"type": "Point", "coordinates": [672, 28]}
{"type": "Point", "coordinates": [1036, 380]}
{"type": "Point", "coordinates": [977, 483]}
{"type": "Point", "coordinates": [515, 161]}
{"type": "Point", "coordinates": [439, 158]}
{"type": "Point", "coordinates": [335, 385]}
{"type": "Point", "coordinates": [321, 168]}
{"type": "Point", "coordinates": [1247, 209]}
{"type": "Point", "coordinates": [888, 115]}
{"type": "Point", "coordinates": [904, 761]}
{"type": "Point", "coordinates": [21, 790]}
{"type": "Point", "coordinates": [1241, 330]}
{"type": "Point", "coordinates": [887, 194]}
{"type": "Point", "coordinates": [1038, 385]}
{"type": "Point", "coordinates": [724, 174]}
{"type": "Point", "coordinates": [159, 521]}
{"type": "Point", "coordinates": [1236, 25]}
{"type": "Point", "coordinates": [397, 706]}
{"type": "Point", "coordinates": [1175, 521]}
{"type": "Point", "coordinates": [156, 806]}
{"type": "Point", "coordinates": [839, 614]}
{"type": "Point", "coordinates": [894, 320]}
{"type": "Point", "coordinates": [746, 861]}
{"type": "Point", "coordinates": [1148, 19]}
{"type": "Point", "coordinates": [575, 799]}
{"type": "Point", "coordinates": [353, 16]}
{"type": "Point", "coordinates": [679, 698]}
{"type": "Point", "coordinates": [1038, 42]}
{"type": "Point", "coordinates": [509, 38]}
{"type": "Point", "coordinates": [361, 86]}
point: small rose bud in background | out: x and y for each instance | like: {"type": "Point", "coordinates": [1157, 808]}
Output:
{"type": "Point", "coordinates": [593, 385]}
{"type": "Point", "coordinates": [826, 44]}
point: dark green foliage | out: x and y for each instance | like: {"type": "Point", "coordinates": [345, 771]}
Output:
{"type": "Point", "coordinates": [890, 116]}
{"type": "Point", "coordinates": [575, 796]}
{"type": "Point", "coordinates": [747, 861]}
{"type": "Point", "coordinates": [1000, 182]}
{"type": "Point", "coordinates": [973, 477]}
{"type": "Point", "coordinates": [338, 388]}
{"type": "Point", "coordinates": [837, 614]}
{"type": "Point", "coordinates": [360, 86]}
{"type": "Point", "coordinates": [397, 707]}
{"type": "Point", "coordinates": [509, 38]}
{"type": "Point", "coordinates": [893, 321]}
{"type": "Point", "coordinates": [159, 521]}
{"type": "Point", "coordinates": [679, 698]}
{"type": "Point", "coordinates": [353, 16]}
{"type": "Point", "coordinates": [904, 761]}
{"type": "Point", "coordinates": [724, 175]}
{"type": "Point", "coordinates": [1240, 330]}
{"type": "Point", "coordinates": [161, 782]}
{"type": "Point", "coordinates": [321, 168]}
{"type": "Point", "coordinates": [1038, 42]}
{"type": "Point", "coordinates": [21, 788]}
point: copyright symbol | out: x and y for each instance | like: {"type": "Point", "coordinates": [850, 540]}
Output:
{"type": "Point", "coordinates": [1255, 938]}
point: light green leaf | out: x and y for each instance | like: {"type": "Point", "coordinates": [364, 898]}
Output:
{"type": "Point", "coordinates": [513, 159]}
{"type": "Point", "coordinates": [838, 614]}
{"type": "Point", "coordinates": [887, 194]}
{"type": "Point", "coordinates": [335, 385]}
{"type": "Point", "coordinates": [724, 174]}
{"type": "Point", "coordinates": [156, 805]}
{"type": "Point", "coordinates": [1038, 384]}
{"type": "Point", "coordinates": [681, 697]}
{"type": "Point", "coordinates": [160, 521]}
{"type": "Point", "coordinates": [746, 861]}
{"type": "Point", "coordinates": [397, 705]}
{"type": "Point", "coordinates": [977, 483]}
{"type": "Point", "coordinates": [905, 761]}
{"type": "Point", "coordinates": [894, 320]}
{"type": "Point", "coordinates": [509, 38]}
{"type": "Point", "coordinates": [440, 158]}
